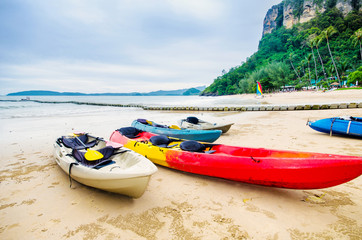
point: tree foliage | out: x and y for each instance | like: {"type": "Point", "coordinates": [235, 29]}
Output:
{"type": "Point", "coordinates": [278, 49]}
{"type": "Point", "coordinates": [356, 77]}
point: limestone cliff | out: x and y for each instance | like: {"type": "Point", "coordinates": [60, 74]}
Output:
{"type": "Point", "coordinates": [290, 12]}
{"type": "Point", "coordinates": [310, 10]}
{"type": "Point", "coordinates": [270, 20]}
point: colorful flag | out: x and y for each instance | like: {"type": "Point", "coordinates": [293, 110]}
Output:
{"type": "Point", "coordinates": [259, 90]}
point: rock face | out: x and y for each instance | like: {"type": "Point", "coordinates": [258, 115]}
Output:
{"type": "Point", "coordinates": [270, 20]}
{"type": "Point", "coordinates": [286, 11]}
{"type": "Point", "coordinates": [288, 17]}
{"type": "Point", "coordinates": [345, 6]}
{"type": "Point", "coordinates": [310, 11]}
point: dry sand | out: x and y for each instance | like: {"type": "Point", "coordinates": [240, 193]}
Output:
{"type": "Point", "coordinates": [37, 203]}
{"type": "Point", "coordinates": [307, 97]}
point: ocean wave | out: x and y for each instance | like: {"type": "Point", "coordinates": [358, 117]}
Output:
{"type": "Point", "coordinates": [45, 106]}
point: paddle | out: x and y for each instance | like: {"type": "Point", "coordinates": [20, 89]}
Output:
{"type": "Point", "coordinates": [90, 155]}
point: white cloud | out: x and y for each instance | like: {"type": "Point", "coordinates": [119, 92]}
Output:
{"type": "Point", "coordinates": [200, 9]}
{"type": "Point", "coordinates": [91, 77]}
{"type": "Point", "coordinates": [83, 11]}
{"type": "Point", "coordinates": [124, 45]}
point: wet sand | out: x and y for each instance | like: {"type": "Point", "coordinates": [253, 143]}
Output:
{"type": "Point", "coordinates": [37, 203]}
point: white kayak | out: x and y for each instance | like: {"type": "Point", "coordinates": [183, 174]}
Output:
{"type": "Point", "coordinates": [198, 124]}
{"type": "Point", "coordinates": [115, 169]}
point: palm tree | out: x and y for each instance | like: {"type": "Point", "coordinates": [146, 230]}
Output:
{"type": "Point", "coordinates": [327, 33]}
{"type": "Point", "coordinates": [316, 41]}
{"type": "Point", "coordinates": [291, 62]}
{"type": "Point", "coordinates": [302, 66]}
{"type": "Point", "coordinates": [308, 59]}
{"type": "Point", "coordinates": [330, 69]}
{"type": "Point", "coordinates": [357, 38]}
{"type": "Point", "coordinates": [310, 43]}
{"type": "Point", "coordinates": [344, 66]}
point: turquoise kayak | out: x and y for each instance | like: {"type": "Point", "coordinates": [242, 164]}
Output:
{"type": "Point", "coordinates": [347, 126]}
{"type": "Point", "coordinates": [188, 134]}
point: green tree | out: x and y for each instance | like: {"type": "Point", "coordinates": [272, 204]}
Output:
{"type": "Point", "coordinates": [311, 43]}
{"type": "Point", "coordinates": [357, 39]}
{"type": "Point", "coordinates": [326, 34]}
{"type": "Point", "coordinates": [276, 47]}
{"type": "Point", "coordinates": [330, 69]}
{"type": "Point", "coordinates": [271, 76]}
{"type": "Point", "coordinates": [316, 41]}
{"type": "Point", "coordinates": [280, 72]}
{"type": "Point", "coordinates": [244, 86]}
{"type": "Point", "coordinates": [291, 63]}
{"type": "Point", "coordinates": [261, 76]}
{"type": "Point", "coordinates": [308, 59]}
{"type": "Point", "coordinates": [344, 66]}
{"type": "Point", "coordinates": [355, 77]}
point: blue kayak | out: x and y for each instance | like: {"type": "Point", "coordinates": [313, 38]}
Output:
{"type": "Point", "coordinates": [347, 126]}
{"type": "Point", "coordinates": [189, 134]}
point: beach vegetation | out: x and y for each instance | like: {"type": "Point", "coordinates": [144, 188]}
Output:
{"type": "Point", "coordinates": [316, 42]}
{"type": "Point", "coordinates": [355, 78]}
{"type": "Point", "coordinates": [326, 34]}
{"type": "Point", "coordinates": [322, 51]}
{"type": "Point", "coordinates": [308, 60]}
{"type": "Point", "coordinates": [271, 77]}
{"type": "Point", "coordinates": [357, 39]}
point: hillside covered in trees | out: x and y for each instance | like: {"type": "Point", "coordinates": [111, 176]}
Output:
{"type": "Point", "coordinates": [320, 51]}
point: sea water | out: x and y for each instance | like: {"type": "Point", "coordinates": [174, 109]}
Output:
{"type": "Point", "coordinates": [13, 107]}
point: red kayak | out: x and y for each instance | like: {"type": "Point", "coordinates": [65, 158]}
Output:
{"type": "Point", "coordinates": [277, 168]}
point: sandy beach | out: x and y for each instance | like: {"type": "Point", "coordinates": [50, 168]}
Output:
{"type": "Point", "coordinates": [37, 203]}
{"type": "Point", "coordinates": [307, 97]}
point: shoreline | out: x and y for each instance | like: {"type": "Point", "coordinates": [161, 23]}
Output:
{"type": "Point", "coordinates": [282, 101]}
{"type": "Point", "coordinates": [308, 97]}
{"type": "Point", "coordinates": [37, 203]}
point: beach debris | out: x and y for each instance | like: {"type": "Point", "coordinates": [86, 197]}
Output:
{"type": "Point", "coordinates": [315, 198]}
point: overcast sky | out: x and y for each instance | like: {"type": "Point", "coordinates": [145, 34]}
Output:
{"type": "Point", "coordinates": [95, 46]}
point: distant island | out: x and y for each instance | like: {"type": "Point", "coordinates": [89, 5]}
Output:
{"type": "Point", "coordinates": [179, 92]}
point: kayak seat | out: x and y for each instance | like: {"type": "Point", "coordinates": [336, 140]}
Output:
{"type": "Point", "coordinates": [192, 146]}
{"type": "Point", "coordinates": [161, 141]}
{"type": "Point", "coordinates": [193, 120]}
{"type": "Point", "coordinates": [107, 152]}
{"type": "Point", "coordinates": [74, 143]}
{"type": "Point", "coordinates": [143, 121]}
{"type": "Point", "coordinates": [159, 125]}
{"type": "Point", "coordinates": [195, 146]}
{"type": "Point", "coordinates": [146, 122]}
{"type": "Point", "coordinates": [129, 132]}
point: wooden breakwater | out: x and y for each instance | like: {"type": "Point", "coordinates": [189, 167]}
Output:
{"type": "Point", "coordinates": [89, 103]}
{"type": "Point", "coordinates": [291, 107]}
